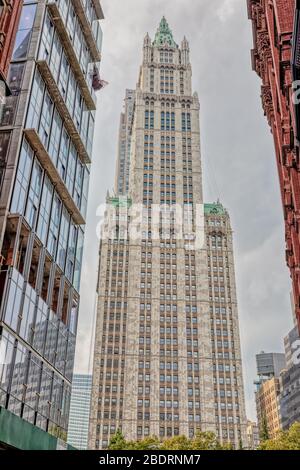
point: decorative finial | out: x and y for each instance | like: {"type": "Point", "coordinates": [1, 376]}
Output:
{"type": "Point", "coordinates": [147, 39]}
{"type": "Point", "coordinates": [164, 35]}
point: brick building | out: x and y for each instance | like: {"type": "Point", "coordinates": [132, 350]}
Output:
{"type": "Point", "coordinates": [273, 25]}
{"type": "Point", "coordinates": [267, 406]}
{"type": "Point", "coordinates": [9, 18]}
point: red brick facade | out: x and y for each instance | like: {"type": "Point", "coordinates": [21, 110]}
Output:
{"type": "Point", "coordinates": [9, 17]}
{"type": "Point", "coordinates": [273, 24]}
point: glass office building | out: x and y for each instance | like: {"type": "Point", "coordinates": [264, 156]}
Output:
{"type": "Point", "coordinates": [80, 411]}
{"type": "Point", "coordinates": [46, 131]}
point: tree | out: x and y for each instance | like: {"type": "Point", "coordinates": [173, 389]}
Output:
{"type": "Point", "coordinates": [284, 440]}
{"type": "Point", "coordinates": [264, 431]}
{"type": "Point", "coordinates": [176, 443]}
{"type": "Point", "coordinates": [202, 441]}
{"type": "Point", "coordinates": [206, 441]}
{"type": "Point", "coordinates": [118, 441]}
{"type": "Point", "coordinates": [149, 443]}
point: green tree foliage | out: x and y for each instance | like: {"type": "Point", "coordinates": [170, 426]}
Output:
{"type": "Point", "coordinates": [176, 443]}
{"type": "Point", "coordinates": [150, 443]}
{"type": "Point", "coordinates": [285, 440]}
{"type": "Point", "coordinates": [206, 441]}
{"type": "Point", "coordinates": [264, 432]}
{"type": "Point", "coordinates": [202, 441]}
{"type": "Point", "coordinates": [118, 441]}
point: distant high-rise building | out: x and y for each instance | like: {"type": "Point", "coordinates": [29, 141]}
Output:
{"type": "Point", "coordinates": [268, 406]}
{"type": "Point", "coordinates": [124, 144]}
{"type": "Point", "coordinates": [48, 137]}
{"type": "Point", "coordinates": [252, 435]}
{"type": "Point", "coordinates": [272, 59]}
{"type": "Point", "coordinates": [80, 411]}
{"type": "Point", "coordinates": [224, 320]}
{"type": "Point", "coordinates": [290, 381]}
{"type": "Point", "coordinates": [167, 350]}
{"type": "Point", "coordinates": [269, 367]}
{"type": "Point", "coordinates": [270, 364]}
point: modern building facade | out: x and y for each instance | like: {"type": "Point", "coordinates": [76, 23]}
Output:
{"type": "Point", "coordinates": [80, 411]}
{"type": "Point", "coordinates": [252, 435]}
{"type": "Point", "coordinates": [167, 356]}
{"type": "Point", "coordinates": [270, 364]}
{"type": "Point", "coordinates": [272, 57]}
{"type": "Point", "coordinates": [290, 381]}
{"type": "Point", "coordinates": [9, 19]}
{"type": "Point", "coordinates": [124, 144]}
{"type": "Point", "coordinates": [49, 125]}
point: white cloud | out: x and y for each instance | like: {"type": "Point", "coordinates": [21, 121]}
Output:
{"type": "Point", "coordinates": [226, 9]}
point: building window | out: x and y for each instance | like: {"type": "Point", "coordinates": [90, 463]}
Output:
{"type": "Point", "coordinates": [24, 32]}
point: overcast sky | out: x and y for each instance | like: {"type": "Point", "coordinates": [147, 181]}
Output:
{"type": "Point", "coordinates": [237, 153]}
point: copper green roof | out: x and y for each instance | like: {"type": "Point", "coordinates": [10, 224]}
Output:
{"type": "Point", "coordinates": [215, 208]}
{"type": "Point", "coordinates": [164, 35]}
{"type": "Point", "coordinates": [120, 201]}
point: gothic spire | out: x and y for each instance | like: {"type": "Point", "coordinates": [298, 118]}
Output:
{"type": "Point", "coordinates": [164, 35]}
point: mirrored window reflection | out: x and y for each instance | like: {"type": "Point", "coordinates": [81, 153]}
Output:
{"type": "Point", "coordinates": [32, 389]}
{"type": "Point", "coordinates": [40, 326]}
{"type": "Point", "coordinates": [13, 302]}
{"type": "Point", "coordinates": [22, 180]}
{"type": "Point", "coordinates": [6, 363]}
{"type": "Point", "coordinates": [71, 252]}
{"type": "Point", "coordinates": [45, 210]}
{"type": "Point", "coordinates": [28, 311]}
{"type": "Point", "coordinates": [78, 260]}
{"type": "Point", "coordinates": [24, 32]}
{"type": "Point", "coordinates": [33, 200]}
{"type": "Point", "coordinates": [4, 146]}
{"type": "Point", "coordinates": [18, 381]}
{"type": "Point", "coordinates": [45, 392]}
{"type": "Point", "coordinates": [66, 398]}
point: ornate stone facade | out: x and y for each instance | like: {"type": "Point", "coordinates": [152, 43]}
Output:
{"type": "Point", "coordinates": [167, 351]}
{"type": "Point", "coordinates": [273, 23]}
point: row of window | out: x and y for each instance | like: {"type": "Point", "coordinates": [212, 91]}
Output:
{"type": "Point", "coordinates": [52, 51]}
{"type": "Point", "coordinates": [34, 197]}
{"type": "Point", "coordinates": [74, 27]}
{"type": "Point", "coordinates": [43, 116]}
{"type": "Point", "coordinates": [32, 319]}
{"type": "Point", "coordinates": [36, 393]}
{"type": "Point", "coordinates": [167, 121]}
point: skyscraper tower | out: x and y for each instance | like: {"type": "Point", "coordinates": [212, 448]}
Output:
{"type": "Point", "coordinates": [167, 353]}
{"type": "Point", "coordinates": [124, 144]}
{"type": "Point", "coordinates": [49, 126]}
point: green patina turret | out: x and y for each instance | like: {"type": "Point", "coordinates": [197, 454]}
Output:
{"type": "Point", "coordinates": [120, 201]}
{"type": "Point", "coordinates": [215, 208]}
{"type": "Point", "coordinates": [164, 35]}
